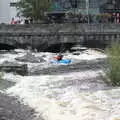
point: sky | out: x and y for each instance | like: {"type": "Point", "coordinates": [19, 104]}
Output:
{"type": "Point", "coordinates": [6, 12]}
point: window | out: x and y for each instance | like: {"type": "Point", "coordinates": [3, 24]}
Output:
{"type": "Point", "coordinates": [93, 4]}
{"type": "Point", "coordinates": [13, 4]}
{"type": "Point", "coordinates": [81, 4]}
{"type": "Point", "coordinates": [117, 4]}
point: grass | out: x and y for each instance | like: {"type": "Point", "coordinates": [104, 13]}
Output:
{"type": "Point", "coordinates": [113, 72]}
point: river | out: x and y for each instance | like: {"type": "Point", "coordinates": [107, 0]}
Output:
{"type": "Point", "coordinates": [65, 92]}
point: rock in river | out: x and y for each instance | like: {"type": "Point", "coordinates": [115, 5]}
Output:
{"type": "Point", "coordinates": [14, 67]}
{"type": "Point", "coordinates": [30, 58]}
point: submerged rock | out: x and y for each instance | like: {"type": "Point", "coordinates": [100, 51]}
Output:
{"type": "Point", "coordinates": [30, 58]}
{"type": "Point", "coordinates": [14, 67]}
{"type": "Point", "coordinates": [76, 53]}
{"type": "Point", "coordinates": [78, 48]}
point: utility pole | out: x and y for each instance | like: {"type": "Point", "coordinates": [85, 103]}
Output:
{"type": "Point", "coordinates": [87, 9]}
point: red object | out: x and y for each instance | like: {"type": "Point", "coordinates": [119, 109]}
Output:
{"type": "Point", "coordinates": [13, 22]}
{"type": "Point", "coordinates": [58, 57]}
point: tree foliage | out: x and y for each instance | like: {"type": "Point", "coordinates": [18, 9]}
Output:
{"type": "Point", "coordinates": [114, 63]}
{"type": "Point", "coordinates": [33, 8]}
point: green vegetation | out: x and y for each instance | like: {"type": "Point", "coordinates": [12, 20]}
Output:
{"type": "Point", "coordinates": [114, 64]}
{"type": "Point", "coordinates": [33, 9]}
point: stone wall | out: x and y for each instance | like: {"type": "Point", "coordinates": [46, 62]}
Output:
{"type": "Point", "coordinates": [44, 36]}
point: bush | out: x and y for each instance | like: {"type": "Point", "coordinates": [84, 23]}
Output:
{"type": "Point", "coordinates": [113, 72]}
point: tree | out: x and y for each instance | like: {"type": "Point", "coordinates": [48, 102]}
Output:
{"type": "Point", "coordinates": [33, 9]}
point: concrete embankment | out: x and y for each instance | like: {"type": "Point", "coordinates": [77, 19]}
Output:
{"type": "Point", "coordinates": [50, 37]}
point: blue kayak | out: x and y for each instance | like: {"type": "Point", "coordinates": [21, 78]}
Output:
{"type": "Point", "coordinates": [64, 61]}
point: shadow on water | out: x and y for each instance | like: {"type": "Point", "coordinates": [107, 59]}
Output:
{"type": "Point", "coordinates": [56, 48]}
{"type": "Point", "coordinates": [4, 84]}
{"type": "Point", "coordinates": [82, 85]}
{"type": "Point", "coordinates": [77, 67]}
{"type": "Point", "coordinates": [6, 47]}
{"type": "Point", "coordinates": [95, 44]}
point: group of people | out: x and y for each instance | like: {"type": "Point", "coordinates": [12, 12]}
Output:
{"type": "Point", "coordinates": [20, 21]}
{"type": "Point", "coordinates": [17, 21]}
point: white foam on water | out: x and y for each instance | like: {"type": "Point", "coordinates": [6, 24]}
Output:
{"type": "Point", "coordinates": [70, 96]}
{"type": "Point", "coordinates": [10, 57]}
{"type": "Point", "coordinates": [12, 77]}
{"type": "Point", "coordinates": [58, 97]}
{"type": "Point", "coordinates": [87, 55]}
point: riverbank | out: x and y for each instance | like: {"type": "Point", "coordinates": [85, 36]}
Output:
{"type": "Point", "coordinates": [12, 109]}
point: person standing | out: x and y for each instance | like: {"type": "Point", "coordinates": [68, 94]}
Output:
{"type": "Point", "coordinates": [13, 22]}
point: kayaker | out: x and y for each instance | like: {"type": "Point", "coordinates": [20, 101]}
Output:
{"type": "Point", "coordinates": [58, 57]}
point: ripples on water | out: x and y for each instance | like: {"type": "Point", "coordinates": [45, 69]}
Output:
{"type": "Point", "coordinates": [74, 94]}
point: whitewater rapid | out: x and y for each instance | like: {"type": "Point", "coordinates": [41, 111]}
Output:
{"type": "Point", "coordinates": [71, 96]}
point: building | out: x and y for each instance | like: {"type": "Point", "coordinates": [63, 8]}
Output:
{"type": "Point", "coordinates": [83, 6]}
{"type": "Point", "coordinates": [4, 11]}
{"type": "Point", "coordinates": [13, 10]}
{"type": "Point", "coordinates": [87, 6]}
{"type": "Point", "coordinates": [7, 10]}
